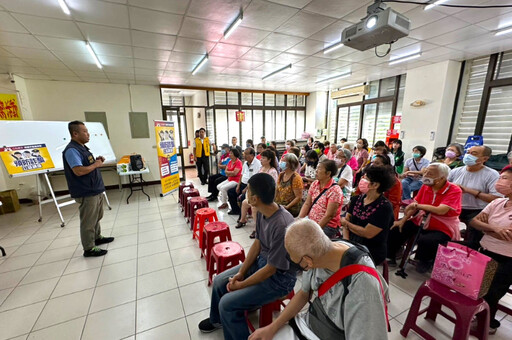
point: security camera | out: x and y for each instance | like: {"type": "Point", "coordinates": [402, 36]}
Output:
{"type": "Point", "coordinates": [11, 78]}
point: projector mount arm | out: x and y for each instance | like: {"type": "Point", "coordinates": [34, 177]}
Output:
{"type": "Point", "coordinates": [376, 7]}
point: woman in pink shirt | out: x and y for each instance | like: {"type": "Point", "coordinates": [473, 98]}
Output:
{"type": "Point", "coordinates": [496, 223]}
{"type": "Point", "coordinates": [233, 172]}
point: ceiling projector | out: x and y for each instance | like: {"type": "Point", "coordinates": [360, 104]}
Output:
{"type": "Point", "coordinates": [382, 25]}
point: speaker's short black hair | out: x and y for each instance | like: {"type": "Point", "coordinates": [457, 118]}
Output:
{"type": "Point", "coordinates": [202, 129]}
{"type": "Point", "coordinates": [74, 126]}
{"type": "Point", "coordinates": [263, 186]}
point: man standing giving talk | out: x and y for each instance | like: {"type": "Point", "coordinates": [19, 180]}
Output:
{"type": "Point", "coordinates": [202, 155]}
{"type": "Point", "coordinates": [86, 187]}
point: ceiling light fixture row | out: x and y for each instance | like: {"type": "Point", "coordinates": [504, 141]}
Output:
{"type": "Point", "coordinates": [333, 47]}
{"type": "Point", "coordinates": [338, 76]}
{"type": "Point", "coordinates": [64, 7]}
{"type": "Point", "coordinates": [93, 55]}
{"type": "Point", "coordinates": [234, 25]}
{"type": "Point", "coordinates": [504, 30]}
{"type": "Point", "coordinates": [201, 64]}
{"type": "Point", "coordinates": [434, 4]}
{"type": "Point", "coordinates": [273, 73]}
{"type": "Point", "coordinates": [404, 58]}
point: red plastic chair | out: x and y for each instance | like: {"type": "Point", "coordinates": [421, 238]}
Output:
{"type": "Point", "coordinates": [188, 192]}
{"type": "Point", "coordinates": [225, 255]}
{"type": "Point", "coordinates": [210, 232]}
{"type": "Point", "coordinates": [267, 311]}
{"type": "Point", "coordinates": [183, 185]}
{"type": "Point", "coordinates": [200, 218]}
{"type": "Point", "coordinates": [194, 204]}
{"type": "Point", "coordinates": [463, 307]}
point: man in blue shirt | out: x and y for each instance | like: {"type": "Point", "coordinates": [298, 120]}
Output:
{"type": "Point", "coordinates": [86, 187]}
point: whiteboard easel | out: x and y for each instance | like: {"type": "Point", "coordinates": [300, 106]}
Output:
{"type": "Point", "coordinates": [56, 136]}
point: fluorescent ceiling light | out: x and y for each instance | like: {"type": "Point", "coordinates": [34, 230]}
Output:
{"type": "Point", "coordinates": [64, 7]}
{"type": "Point", "coordinates": [434, 4]}
{"type": "Point", "coordinates": [201, 64]}
{"type": "Point", "coordinates": [406, 58]}
{"type": "Point", "coordinates": [277, 71]}
{"type": "Point", "coordinates": [234, 25]}
{"type": "Point", "coordinates": [338, 76]}
{"type": "Point", "coordinates": [333, 47]}
{"type": "Point", "coordinates": [505, 30]}
{"type": "Point", "coordinates": [93, 55]}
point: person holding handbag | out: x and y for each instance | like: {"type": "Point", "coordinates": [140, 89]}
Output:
{"type": "Point", "coordinates": [324, 200]}
{"type": "Point", "coordinates": [357, 307]}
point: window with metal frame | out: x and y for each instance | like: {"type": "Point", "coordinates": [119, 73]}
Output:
{"type": "Point", "coordinates": [290, 125]}
{"type": "Point", "coordinates": [498, 120]}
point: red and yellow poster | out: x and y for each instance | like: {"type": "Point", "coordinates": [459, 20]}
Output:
{"type": "Point", "coordinates": [9, 109]}
{"type": "Point", "coordinates": [167, 156]}
{"type": "Point", "coordinates": [26, 158]}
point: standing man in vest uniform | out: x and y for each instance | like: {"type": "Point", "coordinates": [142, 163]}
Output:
{"type": "Point", "coordinates": [202, 155]}
{"type": "Point", "coordinates": [86, 187]}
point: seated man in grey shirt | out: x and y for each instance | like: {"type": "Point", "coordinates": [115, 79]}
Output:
{"type": "Point", "coordinates": [477, 183]}
{"type": "Point", "coordinates": [359, 314]}
{"type": "Point", "coordinates": [265, 275]}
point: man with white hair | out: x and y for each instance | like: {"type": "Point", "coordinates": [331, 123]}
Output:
{"type": "Point", "coordinates": [355, 302]}
{"type": "Point", "coordinates": [440, 202]}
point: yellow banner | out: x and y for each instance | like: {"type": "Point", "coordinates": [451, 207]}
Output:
{"type": "Point", "coordinates": [167, 156]}
{"type": "Point", "coordinates": [26, 158]}
{"type": "Point", "coordinates": [9, 109]}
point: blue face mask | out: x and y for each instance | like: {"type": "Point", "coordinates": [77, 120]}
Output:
{"type": "Point", "coordinates": [223, 152]}
{"type": "Point", "coordinates": [282, 165]}
{"type": "Point", "coordinates": [469, 159]}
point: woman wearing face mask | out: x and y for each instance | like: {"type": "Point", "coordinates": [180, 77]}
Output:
{"type": "Point", "coordinates": [453, 155]}
{"type": "Point", "coordinates": [216, 179]}
{"type": "Point", "coordinates": [361, 155]}
{"type": "Point", "coordinates": [249, 143]}
{"type": "Point", "coordinates": [289, 185]}
{"type": "Point", "coordinates": [495, 221]}
{"type": "Point", "coordinates": [288, 145]}
{"type": "Point", "coordinates": [309, 168]}
{"type": "Point", "coordinates": [413, 171]}
{"type": "Point", "coordinates": [344, 176]}
{"type": "Point", "coordinates": [370, 215]}
{"type": "Point", "coordinates": [320, 150]}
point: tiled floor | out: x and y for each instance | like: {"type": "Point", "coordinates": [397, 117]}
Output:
{"type": "Point", "coordinates": [151, 285]}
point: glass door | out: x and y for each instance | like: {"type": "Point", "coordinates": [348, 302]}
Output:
{"type": "Point", "coordinates": [171, 114]}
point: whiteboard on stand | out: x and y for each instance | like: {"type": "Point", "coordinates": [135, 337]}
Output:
{"type": "Point", "coordinates": [56, 136]}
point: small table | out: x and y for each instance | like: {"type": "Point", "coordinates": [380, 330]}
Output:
{"type": "Point", "coordinates": [135, 179]}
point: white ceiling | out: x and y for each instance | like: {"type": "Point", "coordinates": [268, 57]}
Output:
{"type": "Point", "coordinates": [160, 41]}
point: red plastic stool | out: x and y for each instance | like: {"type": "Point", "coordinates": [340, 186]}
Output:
{"type": "Point", "coordinates": [210, 232]}
{"type": "Point", "coordinates": [183, 185]}
{"type": "Point", "coordinates": [225, 255]}
{"type": "Point", "coordinates": [200, 218]}
{"type": "Point", "coordinates": [188, 192]}
{"type": "Point", "coordinates": [267, 311]}
{"type": "Point", "coordinates": [193, 204]}
{"type": "Point", "coordinates": [463, 307]}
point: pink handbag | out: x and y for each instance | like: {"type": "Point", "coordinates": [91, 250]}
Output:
{"type": "Point", "coordinates": [463, 269]}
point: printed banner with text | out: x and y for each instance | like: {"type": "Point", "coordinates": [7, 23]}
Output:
{"type": "Point", "coordinates": [9, 109]}
{"type": "Point", "coordinates": [26, 158]}
{"type": "Point", "coordinates": [167, 156]}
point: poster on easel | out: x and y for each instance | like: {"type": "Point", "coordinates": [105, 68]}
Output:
{"type": "Point", "coordinates": [26, 158]}
{"type": "Point", "coordinates": [167, 156]}
{"type": "Point", "coordinates": [9, 109]}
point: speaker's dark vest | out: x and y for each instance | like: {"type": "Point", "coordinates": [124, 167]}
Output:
{"type": "Point", "coordinates": [86, 185]}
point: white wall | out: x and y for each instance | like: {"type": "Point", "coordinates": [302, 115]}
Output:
{"type": "Point", "coordinates": [315, 111]}
{"type": "Point", "coordinates": [437, 86]}
{"type": "Point", "coordinates": [66, 101]}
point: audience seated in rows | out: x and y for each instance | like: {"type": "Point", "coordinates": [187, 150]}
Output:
{"type": "Point", "coordinates": [234, 145]}
{"type": "Point", "coordinates": [439, 201]}
{"type": "Point", "coordinates": [477, 183]}
{"type": "Point", "coordinates": [414, 169]}
{"type": "Point", "coordinates": [309, 168]}
{"type": "Point", "coordinates": [324, 199]}
{"type": "Point", "coordinates": [259, 149]}
{"type": "Point", "coordinates": [237, 194]}
{"type": "Point", "coordinates": [265, 276]}
{"type": "Point", "coordinates": [215, 180]}
{"type": "Point", "coordinates": [344, 177]}
{"type": "Point", "coordinates": [380, 148]}
{"type": "Point", "coordinates": [355, 308]}
{"type": "Point", "coordinates": [352, 163]}
{"type": "Point", "coordinates": [398, 156]}
{"type": "Point", "coordinates": [494, 221]}
{"type": "Point", "coordinates": [289, 185]}
{"type": "Point", "coordinates": [331, 153]}
{"type": "Point", "coordinates": [370, 214]}
{"type": "Point", "coordinates": [453, 155]}
{"type": "Point", "coordinates": [233, 174]}
{"type": "Point", "coordinates": [361, 155]}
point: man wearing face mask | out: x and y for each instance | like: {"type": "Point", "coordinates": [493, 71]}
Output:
{"type": "Point", "coordinates": [477, 182]}
{"type": "Point", "coordinates": [440, 201]}
{"type": "Point", "coordinates": [496, 223]}
{"type": "Point", "coordinates": [251, 167]}
{"type": "Point", "coordinates": [355, 304]}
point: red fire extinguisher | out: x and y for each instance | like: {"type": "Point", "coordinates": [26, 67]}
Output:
{"type": "Point", "coordinates": [191, 158]}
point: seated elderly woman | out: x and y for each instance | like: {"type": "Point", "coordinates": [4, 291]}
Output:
{"type": "Point", "coordinates": [356, 310]}
{"type": "Point", "coordinates": [441, 201]}
{"type": "Point", "coordinates": [344, 177]}
{"type": "Point", "coordinates": [324, 200]}
{"type": "Point", "coordinates": [370, 215]}
{"type": "Point", "coordinates": [394, 194]}
{"type": "Point", "coordinates": [332, 151]}
{"type": "Point", "coordinates": [289, 185]}
{"type": "Point", "coordinates": [453, 154]}
{"type": "Point", "coordinates": [495, 222]}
